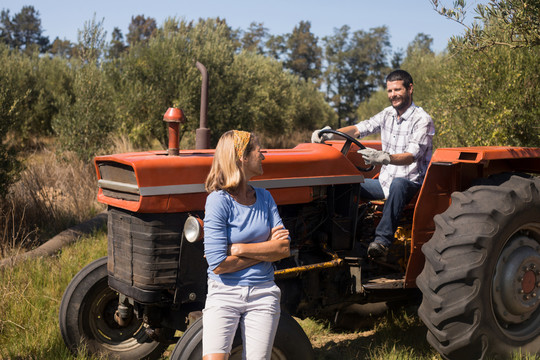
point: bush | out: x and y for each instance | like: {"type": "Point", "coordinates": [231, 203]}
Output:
{"type": "Point", "coordinates": [87, 118]}
{"type": "Point", "coordinates": [246, 90]}
{"type": "Point", "coordinates": [480, 98]}
{"type": "Point", "coordinates": [32, 87]}
{"type": "Point", "coordinates": [37, 83]}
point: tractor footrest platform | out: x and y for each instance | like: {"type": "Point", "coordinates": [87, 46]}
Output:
{"type": "Point", "coordinates": [385, 282]}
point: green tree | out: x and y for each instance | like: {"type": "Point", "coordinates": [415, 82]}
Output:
{"type": "Point", "coordinates": [91, 40]}
{"type": "Point", "coordinates": [356, 67]}
{"type": "Point", "coordinates": [420, 44]}
{"type": "Point", "coordinates": [161, 73]}
{"type": "Point", "coordinates": [11, 103]}
{"type": "Point", "coordinates": [62, 48]}
{"type": "Point", "coordinates": [117, 46]}
{"type": "Point", "coordinates": [304, 54]}
{"type": "Point", "coordinates": [479, 98]}
{"type": "Point", "coordinates": [247, 90]}
{"type": "Point", "coordinates": [271, 101]}
{"type": "Point", "coordinates": [397, 59]}
{"type": "Point", "coordinates": [87, 117]}
{"type": "Point", "coordinates": [511, 23]}
{"type": "Point", "coordinates": [37, 83]}
{"type": "Point", "coordinates": [141, 29]}
{"type": "Point", "coordinates": [23, 30]}
{"type": "Point", "coordinates": [6, 28]}
{"type": "Point", "coordinates": [254, 38]}
{"type": "Point", "coordinates": [276, 46]}
{"type": "Point", "coordinates": [493, 100]}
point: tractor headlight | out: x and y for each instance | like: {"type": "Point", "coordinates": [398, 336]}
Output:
{"type": "Point", "coordinates": [193, 229]}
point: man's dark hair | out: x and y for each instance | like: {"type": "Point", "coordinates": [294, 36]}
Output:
{"type": "Point", "coordinates": [400, 75]}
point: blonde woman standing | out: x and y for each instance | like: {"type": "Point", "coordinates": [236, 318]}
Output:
{"type": "Point", "coordinates": [243, 235]}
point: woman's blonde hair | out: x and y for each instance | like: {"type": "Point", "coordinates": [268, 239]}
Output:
{"type": "Point", "coordinates": [226, 173]}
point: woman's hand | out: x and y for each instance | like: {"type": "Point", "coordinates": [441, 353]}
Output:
{"type": "Point", "coordinates": [240, 255]}
{"type": "Point", "coordinates": [274, 249]}
{"type": "Point", "coordinates": [279, 233]}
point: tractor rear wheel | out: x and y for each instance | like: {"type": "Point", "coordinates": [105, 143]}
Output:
{"type": "Point", "coordinates": [481, 279]}
{"type": "Point", "coordinates": [291, 342]}
{"type": "Point", "coordinates": [87, 324]}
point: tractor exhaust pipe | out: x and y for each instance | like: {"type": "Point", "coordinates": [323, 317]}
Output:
{"type": "Point", "coordinates": [174, 116]}
{"type": "Point", "coordinates": [202, 134]}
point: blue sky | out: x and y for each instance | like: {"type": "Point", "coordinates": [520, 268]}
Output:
{"type": "Point", "coordinates": [404, 18]}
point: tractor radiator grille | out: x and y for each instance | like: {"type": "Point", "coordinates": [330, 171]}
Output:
{"type": "Point", "coordinates": [118, 181]}
{"type": "Point", "coordinates": [143, 252]}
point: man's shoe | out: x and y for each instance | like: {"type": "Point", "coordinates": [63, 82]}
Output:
{"type": "Point", "coordinates": [376, 250]}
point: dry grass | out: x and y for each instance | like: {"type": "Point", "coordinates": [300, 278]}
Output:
{"type": "Point", "coordinates": [52, 194]}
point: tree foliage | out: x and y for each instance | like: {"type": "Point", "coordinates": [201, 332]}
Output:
{"type": "Point", "coordinates": [276, 46]}
{"type": "Point", "coordinates": [88, 116]}
{"type": "Point", "coordinates": [356, 67]}
{"type": "Point", "coordinates": [11, 98]}
{"type": "Point", "coordinates": [91, 40]}
{"type": "Point", "coordinates": [117, 46]}
{"type": "Point", "coordinates": [36, 84]}
{"type": "Point", "coordinates": [23, 30]}
{"type": "Point", "coordinates": [254, 38]}
{"type": "Point", "coordinates": [141, 29]}
{"type": "Point", "coordinates": [480, 98]}
{"type": "Point", "coordinates": [62, 48]}
{"type": "Point", "coordinates": [421, 44]}
{"type": "Point", "coordinates": [511, 23]}
{"type": "Point", "coordinates": [491, 101]}
{"type": "Point", "coordinates": [247, 90]}
{"type": "Point", "coordinates": [304, 55]}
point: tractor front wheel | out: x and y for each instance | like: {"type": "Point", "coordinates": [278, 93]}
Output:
{"type": "Point", "coordinates": [481, 279]}
{"type": "Point", "coordinates": [87, 319]}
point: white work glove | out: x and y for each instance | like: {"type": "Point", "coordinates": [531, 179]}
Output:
{"type": "Point", "coordinates": [315, 138]}
{"type": "Point", "coordinates": [375, 157]}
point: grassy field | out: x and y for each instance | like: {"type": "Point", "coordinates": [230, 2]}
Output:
{"type": "Point", "coordinates": [30, 295]}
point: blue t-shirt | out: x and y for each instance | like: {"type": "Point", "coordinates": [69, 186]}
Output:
{"type": "Point", "coordinates": [227, 222]}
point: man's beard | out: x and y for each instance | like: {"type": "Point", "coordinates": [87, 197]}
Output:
{"type": "Point", "coordinates": [404, 104]}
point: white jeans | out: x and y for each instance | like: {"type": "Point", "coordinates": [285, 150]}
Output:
{"type": "Point", "coordinates": [255, 308]}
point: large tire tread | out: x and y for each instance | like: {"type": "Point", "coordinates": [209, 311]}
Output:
{"type": "Point", "coordinates": [460, 258]}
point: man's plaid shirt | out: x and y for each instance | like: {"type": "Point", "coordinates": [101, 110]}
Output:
{"type": "Point", "coordinates": [411, 133]}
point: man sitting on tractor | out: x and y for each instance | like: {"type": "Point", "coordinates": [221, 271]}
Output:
{"type": "Point", "coordinates": [406, 136]}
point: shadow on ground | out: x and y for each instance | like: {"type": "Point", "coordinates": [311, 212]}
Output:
{"type": "Point", "coordinates": [395, 334]}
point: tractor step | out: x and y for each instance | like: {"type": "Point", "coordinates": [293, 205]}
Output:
{"type": "Point", "coordinates": [390, 281]}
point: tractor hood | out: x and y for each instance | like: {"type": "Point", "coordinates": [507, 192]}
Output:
{"type": "Point", "coordinates": [157, 182]}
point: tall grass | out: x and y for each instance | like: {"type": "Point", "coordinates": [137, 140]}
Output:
{"type": "Point", "coordinates": [30, 295]}
{"type": "Point", "coordinates": [52, 194]}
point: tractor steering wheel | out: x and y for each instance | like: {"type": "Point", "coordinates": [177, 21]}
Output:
{"type": "Point", "coordinates": [345, 149]}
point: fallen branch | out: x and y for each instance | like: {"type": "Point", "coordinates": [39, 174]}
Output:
{"type": "Point", "coordinates": [56, 243]}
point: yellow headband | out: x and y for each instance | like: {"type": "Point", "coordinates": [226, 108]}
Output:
{"type": "Point", "coordinates": [241, 140]}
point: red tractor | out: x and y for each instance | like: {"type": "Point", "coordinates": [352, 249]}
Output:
{"type": "Point", "coordinates": [470, 241]}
